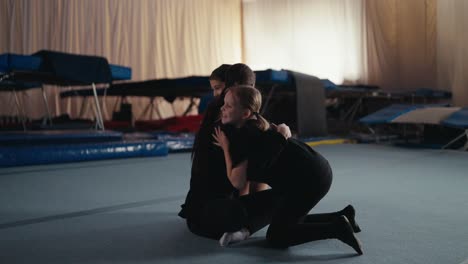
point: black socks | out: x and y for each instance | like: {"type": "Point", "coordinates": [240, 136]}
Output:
{"type": "Point", "coordinates": [348, 211]}
{"type": "Point", "coordinates": [346, 235]}
{"type": "Point", "coordinates": [350, 214]}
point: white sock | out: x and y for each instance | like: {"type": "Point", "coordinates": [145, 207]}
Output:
{"type": "Point", "coordinates": [234, 237]}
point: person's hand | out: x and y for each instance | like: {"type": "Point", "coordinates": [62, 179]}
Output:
{"type": "Point", "coordinates": [220, 139]}
{"type": "Point", "coordinates": [283, 129]}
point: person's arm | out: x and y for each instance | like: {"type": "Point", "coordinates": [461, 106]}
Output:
{"type": "Point", "coordinates": [237, 175]}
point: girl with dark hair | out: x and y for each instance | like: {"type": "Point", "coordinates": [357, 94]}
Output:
{"type": "Point", "coordinates": [296, 173]}
{"type": "Point", "coordinates": [213, 206]}
{"type": "Point", "coordinates": [218, 79]}
{"type": "Point", "coordinates": [217, 83]}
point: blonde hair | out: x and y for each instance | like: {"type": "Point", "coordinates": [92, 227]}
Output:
{"type": "Point", "coordinates": [250, 98]}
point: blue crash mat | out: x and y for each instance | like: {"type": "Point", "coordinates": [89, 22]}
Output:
{"type": "Point", "coordinates": [48, 154]}
{"type": "Point", "coordinates": [120, 72]}
{"type": "Point", "coordinates": [57, 137]}
{"type": "Point", "coordinates": [458, 119]}
{"type": "Point", "coordinates": [386, 115]}
{"type": "Point", "coordinates": [176, 142]}
{"type": "Point", "coordinates": [273, 77]}
{"type": "Point", "coordinates": [15, 62]}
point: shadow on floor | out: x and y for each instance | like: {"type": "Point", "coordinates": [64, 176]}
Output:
{"type": "Point", "coordinates": [128, 237]}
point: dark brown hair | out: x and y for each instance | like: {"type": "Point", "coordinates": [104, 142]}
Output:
{"type": "Point", "coordinates": [240, 74]}
{"type": "Point", "coordinates": [219, 73]}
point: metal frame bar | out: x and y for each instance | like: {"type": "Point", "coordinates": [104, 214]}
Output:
{"type": "Point", "coordinates": [465, 147]}
{"type": "Point", "coordinates": [268, 99]}
{"type": "Point", "coordinates": [99, 120]}
{"type": "Point", "coordinates": [46, 103]}
{"type": "Point", "coordinates": [21, 114]}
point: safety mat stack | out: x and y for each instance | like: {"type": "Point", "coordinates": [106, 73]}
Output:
{"type": "Point", "coordinates": [47, 147]}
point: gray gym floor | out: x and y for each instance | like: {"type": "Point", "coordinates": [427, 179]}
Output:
{"type": "Point", "coordinates": [412, 205]}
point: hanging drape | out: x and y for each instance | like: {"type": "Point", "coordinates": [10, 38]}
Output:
{"type": "Point", "coordinates": [452, 51]}
{"type": "Point", "coordinates": [324, 38]}
{"type": "Point", "coordinates": [401, 44]}
{"type": "Point", "coordinates": [396, 44]}
{"type": "Point", "coordinates": [156, 38]}
{"type": "Point", "coordinates": [390, 43]}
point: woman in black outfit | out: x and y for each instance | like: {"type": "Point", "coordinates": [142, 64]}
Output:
{"type": "Point", "coordinates": [299, 176]}
{"type": "Point", "coordinates": [213, 206]}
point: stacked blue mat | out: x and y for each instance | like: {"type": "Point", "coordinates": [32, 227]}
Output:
{"type": "Point", "coordinates": [47, 147]}
{"type": "Point", "coordinates": [175, 142]}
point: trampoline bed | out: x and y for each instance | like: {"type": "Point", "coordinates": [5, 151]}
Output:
{"type": "Point", "coordinates": [422, 114]}
{"type": "Point", "coordinates": [272, 84]}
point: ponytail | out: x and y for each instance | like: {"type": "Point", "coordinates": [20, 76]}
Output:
{"type": "Point", "coordinates": [261, 122]}
{"type": "Point", "coordinates": [251, 98]}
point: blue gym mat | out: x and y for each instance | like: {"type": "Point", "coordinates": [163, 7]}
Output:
{"type": "Point", "coordinates": [48, 154]}
{"type": "Point", "coordinates": [57, 137]}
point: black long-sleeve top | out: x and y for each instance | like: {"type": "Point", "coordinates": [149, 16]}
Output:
{"type": "Point", "coordinates": [284, 164]}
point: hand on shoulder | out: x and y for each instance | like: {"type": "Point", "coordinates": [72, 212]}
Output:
{"type": "Point", "coordinates": [283, 129]}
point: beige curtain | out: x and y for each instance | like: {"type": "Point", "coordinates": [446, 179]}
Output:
{"type": "Point", "coordinates": [324, 38]}
{"type": "Point", "coordinates": [390, 43]}
{"type": "Point", "coordinates": [452, 52]}
{"type": "Point", "coordinates": [396, 44]}
{"type": "Point", "coordinates": [401, 44]}
{"type": "Point", "coordinates": [156, 38]}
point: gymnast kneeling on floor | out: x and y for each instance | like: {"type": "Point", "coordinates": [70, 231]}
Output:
{"type": "Point", "coordinates": [297, 174]}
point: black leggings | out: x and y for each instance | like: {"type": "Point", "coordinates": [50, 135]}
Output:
{"type": "Point", "coordinates": [286, 213]}
{"type": "Point", "coordinates": [290, 223]}
{"type": "Point", "coordinates": [253, 211]}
